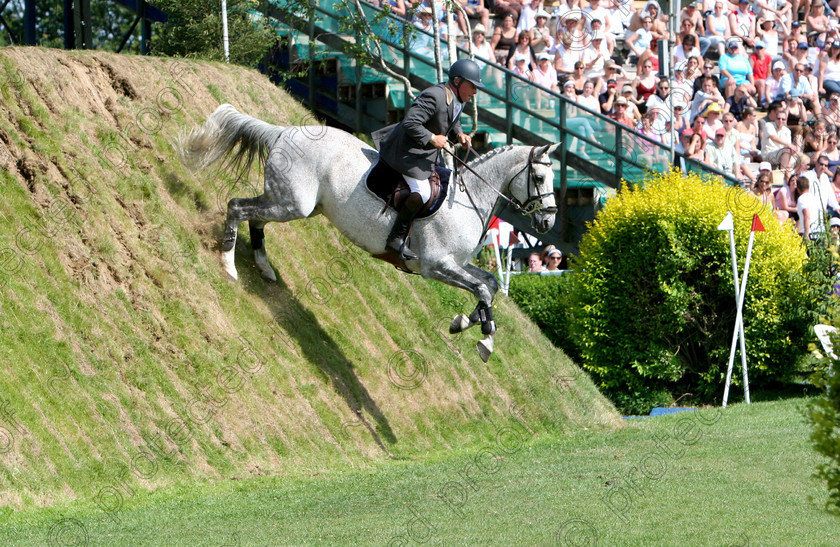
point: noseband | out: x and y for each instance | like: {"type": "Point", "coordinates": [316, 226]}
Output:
{"type": "Point", "coordinates": [533, 203]}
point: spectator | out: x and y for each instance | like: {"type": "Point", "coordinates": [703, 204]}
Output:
{"type": "Point", "coordinates": [571, 31]}
{"type": "Point", "coordinates": [608, 97]}
{"type": "Point", "coordinates": [504, 39]}
{"type": "Point", "coordinates": [773, 83]}
{"type": "Point", "coordinates": [832, 152]}
{"type": "Point", "coordinates": [742, 23]}
{"type": "Point", "coordinates": [660, 22]}
{"type": "Point", "coordinates": [481, 47]}
{"type": "Point", "coordinates": [579, 78]}
{"type": "Point", "coordinates": [732, 145]}
{"type": "Point", "coordinates": [503, 8]}
{"type": "Point", "coordinates": [735, 69]}
{"type": "Point", "coordinates": [794, 55]}
{"type": "Point", "coordinates": [619, 17]}
{"type": "Point", "coordinates": [776, 146]}
{"type": "Point", "coordinates": [687, 49]}
{"type": "Point", "coordinates": [553, 260]}
{"type": "Point", "coordinates": [477, 9]}
{"type": "Point", "coordinates": [541, 39]}
{"type": "Point", "coordinates": [816, 140]}
{"type": "Point", "coordinates": [565, 6]}
{"type": "Point", "coordinates": [717, 28]}
{"type": "Point", "coordinates": [609, 41]}
{"type": "Point", "coordinates": [707, 95]}
{"type": "Point", "coordinates": [645, 82]}
{"type": "Point", "coordinates": [785, 196]}
{"type": "Point", "coordinates": [817, 22]}
{"type": "Point", "coordinates": [694, 145]}
{"type": "Point", "coordinates": [423, 44]}
{"type": "Point", "coordinates": [718, 155]}
{"type": "Point", "coordinates": [763, 190]}
{"type": "Point", "coordinates": [829, 78]}
{"type": "Point", "coordinates": [680, 124]}
{"type": "Point", "coordinates": [760, 62]}
{"type": "Point", "coordinates": [535, 265]}
{"type": "Point", "coordinates": [820, 179]}
{"type": "Point", "coordinates": [796, 32]}
{"type": "Point", "coordinates": [576, 121]}
{"type": "Point", "coordinates": [528, 16]}
{"type": "Point", "coordinates": [811, 223]}
{"type": "Point", "coordinates": [594, 58]}
{"type": "Point", "coordinates": [696, 26]}
{"type": "Point", "coordinates": [593, 12]}
{"type": "Point", "coordinates": [588, 99]}
{"type": "Point", "coordinates": [797, 91]}
{"type": "Point", "coordinates": [615, 72]}
{"type": "Point", "coordinates": [708, 72]}
{"type": "Point", "coordinates": [645, 128]}
{"type": "Point", "coordinates": [639, 41]}
{"type": "Point", "coordinates": [652, 54]}
{"type": "Point", "coordinates": [739, 101]}
{"type": "Point", "coordinates": [545, 75]}
{"type": "Point", "coordinates": [831, 113]}
{"type": "Point", "coordinates": [523, 47]}
{"type": "Point", "coordinates": [713, 120]}
{"type": "Point", "coordinates": [632, 103]}
{"type": "Point", "coordinates": [768, 34]}
{"type": "Point", "coordinates": [748, 134]}
{"type": "Point", "coordinates": [693, 69]}
{"type": "Point", "coordinates": [620, 114]}
{"type": "Point", "coordinates": [659, 104]}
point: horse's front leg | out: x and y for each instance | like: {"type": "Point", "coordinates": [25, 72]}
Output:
{"type": "Point", "coordinates": [463, 278]}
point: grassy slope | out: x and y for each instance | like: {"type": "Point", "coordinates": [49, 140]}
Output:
{"type": "Point", "coordinates": [130, 362]}
{"type": "Point", "coordinates": [737, 477]}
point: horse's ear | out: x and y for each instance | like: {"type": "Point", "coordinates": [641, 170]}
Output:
{"type": "Point", "coordinates": [547, 149]}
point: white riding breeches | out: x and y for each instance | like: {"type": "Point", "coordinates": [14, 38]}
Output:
{"type": "Point", "coordinates": [421, 186]}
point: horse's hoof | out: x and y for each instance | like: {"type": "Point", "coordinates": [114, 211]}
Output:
{"type": "Point", "coordinates": [485, 348]}
{"type": "Point", "coordinates": [459, 324]}
{"type": "Point", "coordinates": [229, 265]}
{"type": "Point", "coordinates": [266, 271]}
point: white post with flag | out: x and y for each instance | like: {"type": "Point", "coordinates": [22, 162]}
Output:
{"type": "Point", "coordinates": [757, 226]}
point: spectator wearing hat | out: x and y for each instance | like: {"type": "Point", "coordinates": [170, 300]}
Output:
{"type": "Point", "coordinates": [735, 69]}
{"type": "Point", "coordinates": [796, 90]}
{"type": "Point", "coordinates": [477, 9]}
{"type": "Point", "coordinates": [528, 15]}
{"type": "Point", "coordinates": [481, 47]}
{"type": "Point", "coordinates": [608, 97]}
{"type": "Point", "coordinates": [776, 145]}
{"type": "Point", "coordinates": [742, 24]}
{"type": "Point", "coordinates": [768, 33]}
{"type": "Point", "coordinates": [504, 39]}
{"type": "Point", "coordinates": [633, 102]}
{"type": "Point", "coordinates": [520, 65]}
{"type": "Point", "coordinates": [829, 73]}
{"type": "Point", "coordinates": [423, 44]}
{"type": "Point", "coordinates": [797, 54]}
{"type": "Point", "coordinates": [817, 23]}
{"type": "Point", "coordinates": [615, 72]}
{"type": "Point", "coordinates": [620, 112]}
{"type": "Point", "coordinates": [717, 28]}
{"type": "Point", "coordinates": [697, 25]}
{"type": "Point", "coordinates": [797, 31]}
{"type": "Point", "coordinates": [545, 76]}
{"type": "Point", "coordinates": [773, 83]}
{"type": "Point", "coordinates": [713, 122]}
{"type": "Point", "coordinates": [541, 39]}
{"type": "Point", "coordinates": [760, 62]}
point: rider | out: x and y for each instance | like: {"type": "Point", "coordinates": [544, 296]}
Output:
{"type": "Point", "coordinates": [413, 146]}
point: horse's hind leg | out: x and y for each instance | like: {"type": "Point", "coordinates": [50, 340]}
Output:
{"type": "Point", "coordinates": [257, 211]}
{"type": "Point", "coordinates": [462, 322]}
{"type": "Point", "coordinates": [465, 279]}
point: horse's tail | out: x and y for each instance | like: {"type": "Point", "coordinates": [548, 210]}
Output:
{"type": "Point", "coordinates": [230, 133]}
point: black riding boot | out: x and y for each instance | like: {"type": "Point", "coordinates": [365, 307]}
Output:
{"type": "Point", "coordinates": [396, 239]}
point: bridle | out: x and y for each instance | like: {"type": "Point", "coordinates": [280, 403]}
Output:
{"type": "Point", "coordinates": [534, 201]}
{"type": "Point", "coordinates": [532, 204]}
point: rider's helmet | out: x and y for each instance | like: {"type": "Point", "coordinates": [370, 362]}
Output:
{"type": "Point", "coordinates": [468, 70]}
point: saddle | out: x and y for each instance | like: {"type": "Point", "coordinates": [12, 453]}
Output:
{"type": "Point", "coordinates": [390, 186]}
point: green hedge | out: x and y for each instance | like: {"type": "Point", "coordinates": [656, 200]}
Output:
{"type": "Point", "coordinates": [546, 301]}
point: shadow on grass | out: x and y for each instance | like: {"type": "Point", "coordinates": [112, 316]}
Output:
{"type": "Point", "coordinates": [313, 344]}
{"type": "Point", "coordinates": [779, 392]}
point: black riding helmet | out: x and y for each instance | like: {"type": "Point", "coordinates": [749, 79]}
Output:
{"type": "Point", "coordinates": [468, 70]}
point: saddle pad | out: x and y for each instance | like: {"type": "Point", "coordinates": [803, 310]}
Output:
{"type": "Point", "coordinates": [383, 180]}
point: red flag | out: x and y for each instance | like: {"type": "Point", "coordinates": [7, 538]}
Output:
{"type": "Point", "coordinates": [757, 226]}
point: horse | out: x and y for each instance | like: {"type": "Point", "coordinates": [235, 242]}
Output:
{"type": "Point", "coordinates": [311, 170]}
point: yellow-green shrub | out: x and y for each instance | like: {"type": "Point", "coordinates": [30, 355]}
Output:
{"type": "Point", "coordinates": [655, 306]}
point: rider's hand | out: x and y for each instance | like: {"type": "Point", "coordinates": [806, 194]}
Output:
{"type": "Point", "coordinates": [465, 139]}
{"type": "Point", "coordinates": [439, 141]}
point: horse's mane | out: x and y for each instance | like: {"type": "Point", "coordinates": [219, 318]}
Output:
{"type": "Point", "coordinates": [489, 155]}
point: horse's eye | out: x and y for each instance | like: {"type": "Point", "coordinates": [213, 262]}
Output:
{"type": "Point", "coordinates": [539, 178]}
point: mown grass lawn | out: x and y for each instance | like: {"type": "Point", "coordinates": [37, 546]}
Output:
{"type": "Point", "coordinates": [740, 476]}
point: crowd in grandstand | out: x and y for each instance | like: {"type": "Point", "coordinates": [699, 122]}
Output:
{"type": "Point", "coordinates": [753, 84]}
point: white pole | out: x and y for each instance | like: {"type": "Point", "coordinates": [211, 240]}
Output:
{"type": "Point", "coordinates": [497, 242]}
{"type": "Point", "coordinates": [506, 287]}
{"type": "Point", "coordinates": [729, 226]}
{"type": "Point", "coordinates": [225, 39]}
{"type": "Point", "coordinates": [739, 318]}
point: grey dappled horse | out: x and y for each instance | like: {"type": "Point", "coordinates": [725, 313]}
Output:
{"type": "Point", "coordinates": [321, 170]}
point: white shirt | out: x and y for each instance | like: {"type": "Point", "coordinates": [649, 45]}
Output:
{"type": "Point", "coordinates": [821, 188]}
{"type": "Point", "coordinates": [809, 201]}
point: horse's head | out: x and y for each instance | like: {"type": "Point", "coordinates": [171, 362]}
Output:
{"type": "Point", "coordinates": [532, 188]}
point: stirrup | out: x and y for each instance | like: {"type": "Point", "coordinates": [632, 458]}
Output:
{"type": "Point", "coordinates": [406, 253]}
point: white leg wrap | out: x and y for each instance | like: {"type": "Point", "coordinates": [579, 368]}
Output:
{"type": "Point", "coordinates": [485, 347]}
{"type": "Point", "coordinates": [228, 263]}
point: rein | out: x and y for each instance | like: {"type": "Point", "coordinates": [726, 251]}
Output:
{"type": "Point", "coordinates": [530, 205]}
